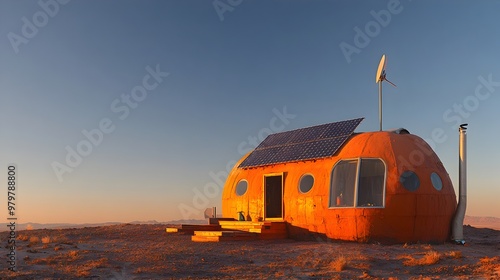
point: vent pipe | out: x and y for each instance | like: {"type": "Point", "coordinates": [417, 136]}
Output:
{"type": "Point", "coordinates": [458, 221]}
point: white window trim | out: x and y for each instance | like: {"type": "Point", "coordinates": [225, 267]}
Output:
{"type": "Point", "coordinates": [356, 185]}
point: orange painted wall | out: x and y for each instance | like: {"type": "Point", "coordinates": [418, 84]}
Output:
{"type": "Point", "coordinates": [408, 216]}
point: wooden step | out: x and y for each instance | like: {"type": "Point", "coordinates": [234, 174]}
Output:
{"type": "Point", "coordinates": [224, 235]}
{"type": "Point", "coordinates": [228, 229]}
{"type": "Point", "coordinates": [190, 229]}
{"type": "Point", "coordinates": [241, 223]}
{"type": "Point", "coordinates": [246, 225]}
{"type": "Point", "coordinates": [215, 221]}
{"type": "Point", "coordinates": [260, 230]}
{"type": "Point", "coordinates": [196, 238]}
{"type": "Point", "coordinates": [171, 230]}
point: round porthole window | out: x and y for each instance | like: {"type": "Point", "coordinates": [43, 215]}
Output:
{"type": "Point", "coordinates": [241, 187]}
{"type": "Point", "coordinates": [410, 180]}
{"type": "Point", "coordinates": [306, 183]}
{"type": "Point", "coordinates": [436, 181]}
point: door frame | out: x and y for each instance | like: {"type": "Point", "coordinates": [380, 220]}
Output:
{"type": "Point", "coordinates": [282, 175]}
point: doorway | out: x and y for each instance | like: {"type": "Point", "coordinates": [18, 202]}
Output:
{"type": "Point", "coordinates": [273, 197]}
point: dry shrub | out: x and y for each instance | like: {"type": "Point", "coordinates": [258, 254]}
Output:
{"type": "Point", "coordinates": [427, 246]}
{"type": "Point", "coordinates": [85, 269]}
{"type": "Point", "coordinates": [78, 269]}
{"type": "Point", "coordinates": [307, 259]}
{"type": "Point", "coordinates": [487, 260]}
{"type": "Point", "coordinates": [279, 274]}
{"type": "Point", "coordinates": [46, 239]}
{"type": "Point", "coordinates": [100, 263]}
{"type": "Point", "coordinates": [139, 270]}
{"type": "Point", "coordinates": [339, 263]}
{"type": "Point", "coordinates": [83, 273]}
{"type": "Point", "coordinates": [463, 269]}
{"type": "Point", "coordinates": [23, 237]}
{"type": "Point", "coordinates": [73, 254]}
{"type": "Point", "coordinates": [360, 261]}
{"type": "Point", "coordinates": [229, 269]}
{"type": "Point", "coordinates": [57, 248]}
{"type": "Point", "coordinates": [365, 275]}
{"type": "Point", "coordinates": [430, 258]}
{"type": "Point", "coordinates": [361, 257]}
{"type": "Point", "coordinates": [488, 266]}
{"type": "Point", "coordinates": [161, 257]}
{"type": "Point", "coordinates": [60, 239]}
{"type": "Point", "coordinates": [44, 261]}
{"type": "Point", "coordinates": [455, 254]}
{"type": "Point", "coordinates": [63, 259]}
{"type": "Point", "coordinates": [363, 266]}
{"type": "Point", "coordinates": [34, 240]}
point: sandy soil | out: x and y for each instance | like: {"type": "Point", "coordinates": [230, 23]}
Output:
{"type": "Point", "coordinates": [147, 252]}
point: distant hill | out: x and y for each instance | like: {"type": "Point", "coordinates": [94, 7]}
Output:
{"type": "Point", "coordinates": [24, 226]}
{"type": "Point", "coordinates": [482, 222]}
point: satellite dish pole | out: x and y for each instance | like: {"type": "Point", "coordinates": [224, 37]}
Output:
{"type": "Point", "coordinates": [379, 79]}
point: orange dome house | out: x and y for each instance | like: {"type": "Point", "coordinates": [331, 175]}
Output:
{"type": "Point", "coordinates": [385, 186]}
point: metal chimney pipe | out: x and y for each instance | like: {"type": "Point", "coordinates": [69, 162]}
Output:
{"type": "Point", "coordinates": [458, 220]}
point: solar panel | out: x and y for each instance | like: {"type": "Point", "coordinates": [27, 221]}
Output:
{"type": "Point", "coordinates": [301, 144]}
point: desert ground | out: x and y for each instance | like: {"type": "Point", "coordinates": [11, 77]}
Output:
{"type": "Point", "coordinates": [132, 251]}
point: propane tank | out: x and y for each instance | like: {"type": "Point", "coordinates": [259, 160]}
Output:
{"type": "Point", "coordinates": [241, 217]}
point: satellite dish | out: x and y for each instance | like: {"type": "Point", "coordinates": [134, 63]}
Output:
{"type": "Point", "coordinates": [209, 213]}
{"type": "Point", "coordinates": [381, 75]}
{"type": "Point", "coordinates": [381, 67]}
{"type": "Point", "coordinates": [379, 79]}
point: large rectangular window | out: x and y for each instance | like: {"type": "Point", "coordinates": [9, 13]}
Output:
{"type": "Point", "coordinates": [342, 191]}
{"type": "Point", "coordinates": [358, 183]}
{"type": "Point", "coordinates": [371, 183]}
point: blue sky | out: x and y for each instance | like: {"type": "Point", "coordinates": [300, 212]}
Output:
{"type": "Point", "coordinates": [231, 66]}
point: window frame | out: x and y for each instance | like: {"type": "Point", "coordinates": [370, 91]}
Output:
{"type": "Point", "coordinates": [236, 187]}
{"type": "Point", "coordinates": [412, 173]}
{"type": "Point", "coordinates": [300, 180]}
{"type": "Point", "coordinates": [331, 204]}
{"type": "Point", "coordinates": [264, 203]}
{"type": "Point", "coordinates": [440, 181]}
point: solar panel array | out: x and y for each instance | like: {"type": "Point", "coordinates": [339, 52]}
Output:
{"type": "Point", "coordinates": [301, 144]}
